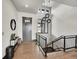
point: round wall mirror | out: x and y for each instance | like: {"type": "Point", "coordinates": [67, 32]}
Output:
{"type": "Point", "coordinates": [48, 20]}
{"type": "Point", "coordinates": [43, 19]}
{"type": "Point", "coordinates": [47, 15]}
{"type": "Point", "coordinates": [13, 24]}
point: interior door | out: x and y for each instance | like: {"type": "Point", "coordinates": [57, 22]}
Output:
{"type": "Point", "coordinates": [27, 29]}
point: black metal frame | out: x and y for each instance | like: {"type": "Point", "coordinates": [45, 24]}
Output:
{"type": "Point", "coordinates": [11, 24]}
{"type": "Point", "coordinates": [43, 20]}
{"type": "Point", "coordinates": [57, 39]}
{"type": "Point", "coordinates": [44, 24]}
{"type": "Point", "coordinates": [48, 24]}
{"type": "Point", "coordinates": [69, 37]}
{"type": "Point", "coordinates": [47, 15]}
{"type": "Point", "coordinates": [65, 37]}
{"type": "Point", "coordinates": [38, 43]}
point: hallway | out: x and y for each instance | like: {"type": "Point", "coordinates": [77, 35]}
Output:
{"type": "Point", "coordinates": [31, 51]}
{"type": "Point", "coordinates": [47, 20]}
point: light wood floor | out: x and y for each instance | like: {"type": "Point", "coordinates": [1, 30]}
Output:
{"type": "Point", "coordinates": [31, 51]}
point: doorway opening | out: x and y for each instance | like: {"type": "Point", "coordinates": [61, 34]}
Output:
{"type": "Point", "coordinates": [27, 29]}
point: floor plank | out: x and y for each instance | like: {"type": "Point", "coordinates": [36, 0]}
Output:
{"type": "Point", "coordinates": [28, 50]}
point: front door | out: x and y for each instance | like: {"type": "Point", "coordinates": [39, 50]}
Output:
{"type": "Point", "coordinates": [27, 29]}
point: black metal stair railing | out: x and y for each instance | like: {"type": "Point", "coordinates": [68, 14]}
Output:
{"type": "Point", "coordinates": [70, 37]}
{"type": "Point", "coordinates": [65, 38]}
{"type": "Point", "coordinates": [42, 42]}
{"type": "Point", "coordinates": [57, 39]}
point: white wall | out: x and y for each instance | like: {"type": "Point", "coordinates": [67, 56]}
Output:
{"type": "Point", "coordinates": [34, 23]}
{"type": "Point", "coordinates": [64, 21]}
{"type": "Point", "coordinates": [8, 12]}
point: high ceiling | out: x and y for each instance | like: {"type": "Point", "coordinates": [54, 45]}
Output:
{"type": "Point", "coordinates": [33, 5]}
{"type": "Point", "coordinates": [67, 2]}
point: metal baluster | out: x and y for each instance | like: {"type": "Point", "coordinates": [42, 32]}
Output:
{"type": "Point", "coordinates": [76, 41]}
{"type": "Point", "coordinates": [64, 43]}
{"type": "Point", "coordinates": [46, 47]}
{"type": "Point", "coordinates": [39, 40]}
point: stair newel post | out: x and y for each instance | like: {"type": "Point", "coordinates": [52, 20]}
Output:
{"type": "Point", "coordinates": [76, 41]}
{"type": "Point", "coordinates": [46, 47]}
{"type": "Point", "coordinates": [36, 38]}
{"type": "Point", "coordinates": [64, 43]}
{"type": "Point", "coordinates": [52, 45]}
{"type": "Point", "coordinates": [39, 40]}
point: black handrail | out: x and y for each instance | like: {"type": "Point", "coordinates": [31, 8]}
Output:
{"type": "Point", "coordinates": [44, 38]}
{"type": "Point", "coordinates": [62, 37]}
{"type": "Point", "coordinates": [70, 36]}
{"type": "Point", "coordinates": [57, 39]}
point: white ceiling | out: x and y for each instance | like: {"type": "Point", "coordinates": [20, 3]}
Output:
{"type": "Point", "coordinates": [72, 3]}
{"type": "Point", "coordinates": [32, 8]}
{"type": "Point", "coordinates": [35, 4]}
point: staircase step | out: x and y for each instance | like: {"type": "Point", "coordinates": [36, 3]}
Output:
{"type": "Point", "coordinates": [49, 49]}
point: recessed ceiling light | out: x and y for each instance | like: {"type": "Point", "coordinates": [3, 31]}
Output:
{"type": "Point", "coordinates": [43, 4]}
{"type": "Point", "coordinates": [26, 5]}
